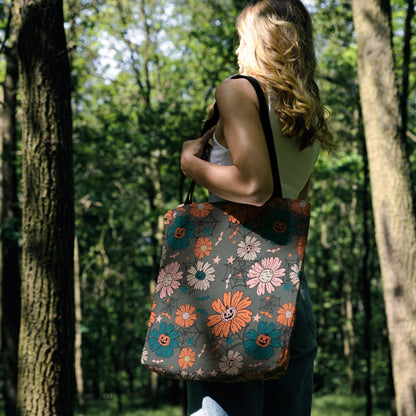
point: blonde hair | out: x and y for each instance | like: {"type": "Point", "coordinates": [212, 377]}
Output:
{"type": "Point", "coordinates": [279, 52]}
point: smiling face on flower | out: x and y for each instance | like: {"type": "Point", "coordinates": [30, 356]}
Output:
{"type": "Point", "coordinates": [163, 341]}
{"type": "Point", "coordinates": [169, 279]}
{"type": "Point", "coordinates": [266, 275]}
{"type": "Point", "coordinates": [249, 248]}
{"type": "Point", "coordinates": [232, 314]}
{"type": "Point", "coordinates": [261, 343]}
{"type": "Point", "coordinates": [231, 363]}
{"type": "Point", "coordinates": [180, 232]}
{"type": "Point", "coordinates": [199, 277]}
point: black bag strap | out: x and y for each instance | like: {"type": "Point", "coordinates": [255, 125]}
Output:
{"type": "Point", "coordinates": [265, 121]}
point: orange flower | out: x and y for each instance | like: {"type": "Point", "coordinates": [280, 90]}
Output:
{"type": "Point", "coordinates": [284, 357]}
{"type": "Point", "coordinates": [286, 314]}
{"type": "Point", "coordinates": [301, 246]}
{"type": "Point", "coordinates": [186, 358]}
{"type": "Point", "coordinates": [238, 213]}
{"type": "Point", "coordinates": [152, 315]}
{"type": "Point", "coordinates": [200, 210]}
{"type": "Point", "coordinates": [168, 217]}
{"type": "Point", "coordinates": [301, 207]}
{"type": "Point", "coordinates": [232, 314]}
{"type": "Point", "coordinates": [185, 316]}
{"type": "Point", "coordinates": [203, 247]}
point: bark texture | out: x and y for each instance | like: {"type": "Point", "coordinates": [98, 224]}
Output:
{"type": "Point", "coordinates": [46, 349]}
{"type": "Point", "coordinates": [9, 248]}
{"type": "Point", "coordinates": [391, 191]}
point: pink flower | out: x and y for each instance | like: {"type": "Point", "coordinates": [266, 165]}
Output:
{"type": "Point", "coordinates": [168, 279]}
{"type": "Point", "coordinates": [266, 275]}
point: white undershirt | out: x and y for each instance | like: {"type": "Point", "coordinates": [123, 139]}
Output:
{"type": "Point", "coordinates": [295, 166]}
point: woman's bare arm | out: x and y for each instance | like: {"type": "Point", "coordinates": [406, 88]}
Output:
{"type": "Point", "coordinates": [249, 180]}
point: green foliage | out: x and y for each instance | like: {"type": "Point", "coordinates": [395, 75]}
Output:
{"type": "Point", "coordinates": [337, 405]}
{"type": "Point", "coordinates": [143, 75]}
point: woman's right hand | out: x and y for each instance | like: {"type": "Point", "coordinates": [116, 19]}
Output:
{"type": "Point", "coordinates": [194, 148]}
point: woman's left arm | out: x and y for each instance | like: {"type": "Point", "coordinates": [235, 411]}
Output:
{"type": "Point", "coordinates": [249, 180]}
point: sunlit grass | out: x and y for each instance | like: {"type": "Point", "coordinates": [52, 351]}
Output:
{"type": "Point", "coordinates": [336, 405]}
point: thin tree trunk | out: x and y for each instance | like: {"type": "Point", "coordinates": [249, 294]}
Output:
{"type": "Point", "coordinates": [366, 288]}
{"type": "Point", "coordinates": [157, 225]}
{"type": "Point", "coordinates": [78, 335]}
{"type": "Point", "coordinates": [347, 307]}
{"type": "Point", "coordinates": [391, 191]}
{"type": "Point", "coordinates": [46, 350]}
{"type": "Point", "coordinates": [9, 249]}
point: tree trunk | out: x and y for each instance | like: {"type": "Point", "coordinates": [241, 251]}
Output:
{"type": "Point", "coordinates": [46, 350]}
{"type": "Point", "coordinates": [391, 191]}
{"type": "Point", "coordinates": [366, 288]}
{"type": "Point", "coordinates": [9, 249]}
{"type": "Point", "coordinates": [78, 334]}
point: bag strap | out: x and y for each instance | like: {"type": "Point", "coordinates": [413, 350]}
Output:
{"type": "Point", "coordinates": [267, 129]}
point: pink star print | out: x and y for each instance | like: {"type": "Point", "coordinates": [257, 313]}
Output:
{"type": "Point", "coordinates": [256, 317]}
{"type": "Point", "coordinates": [231, 260]}
{"type": "Point", "coordinates": [159, 318]}
{"type": "Point", "coordinates": [200, 372]}
{"type": "Point", "coordinates": [213, 373]}
{"type": "Point", "coordinates": [217, 260]}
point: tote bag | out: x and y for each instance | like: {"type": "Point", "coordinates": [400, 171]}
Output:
{"type": "Point", "coordinates": [227, 290]}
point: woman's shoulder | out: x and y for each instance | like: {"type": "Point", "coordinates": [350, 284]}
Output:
{"type": "Point", "coordinates": [236, 90]}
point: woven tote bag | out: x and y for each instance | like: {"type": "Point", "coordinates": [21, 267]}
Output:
{"type": "Point", "coordinates": [227, 290]}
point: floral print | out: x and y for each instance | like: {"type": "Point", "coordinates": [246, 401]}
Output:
{"type": "Point", "coordinates": [199, 277]}
{"type": "Point", "coordinates": [163, 341]}
{"type": "Point", "coordinates": [203, 247]}
{"type": "Point", "coordinates": [185, 316]}
{"type": "Point", "coordinates": [180, 233]}
{"type": "Point", "coordinates": [231, 363]}
{"type": "Point", "coordinates": [239, 213]}
{"type": "Point", "coordinates": [301, 246]}
{"type": "Point", "coordinates": [284, 356]}
{"type": "Point", "coordinates": [286, 314]}
{"type": "Point", "coordinates": [152, 315]}
{"type": "Point", "coordinates": [280, 228]}
{"type": "Point", "coordinates": [232, 314]}
{"type": "Point", "coordinates": [186, 358]}
{"type": "Point", "coordinates": [200, 210]}
{"type": "Point", "coordinates": [168, 279]}
{"type": "Point", "coordinates": [260, 344]}
{"type": "Point", "coordinates": [295, 274]}
{"type": "Point", "coordinates": [301, 207]}
{"type": "Point", "coordinates": [226, 291]}
{"type": "Point", "coordinates": [145, 356]}
{"type": "Point", "coordinates": [266, 276]}
{"type": "Point", "coordinates": [168, 217]}
{"type": "Point", "coordinates": [249, 248]}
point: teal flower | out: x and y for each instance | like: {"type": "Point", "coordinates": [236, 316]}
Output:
{"type": "Point", "coordinates": [280, 228]}
{"type": "Point", "coordinates": [260, 344]}
{"type": "Point", "coordinates": [164, 340]}
{"type": "Point", "coordinates": [180, 233]}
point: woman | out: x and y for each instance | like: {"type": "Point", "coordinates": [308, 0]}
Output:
{"type": "Point", "coordinates": [276, 48]}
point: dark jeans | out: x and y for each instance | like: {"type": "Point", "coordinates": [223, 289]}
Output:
{"type": "Point", "coordinates": [290, 395]}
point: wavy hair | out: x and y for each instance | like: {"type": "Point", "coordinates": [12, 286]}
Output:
{"type": "Point", "coordinates": [277, 39]}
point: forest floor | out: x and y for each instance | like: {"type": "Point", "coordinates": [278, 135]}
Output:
{"type": "Point", "coordinates": [330, 405]}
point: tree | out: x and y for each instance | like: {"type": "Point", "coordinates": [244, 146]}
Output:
{"type": "Point", "coordinates": [45, 361]}
{"type": "Point", "coordinates": [9, 218]}
{"type": "Point", "coordinates": [391, 190]}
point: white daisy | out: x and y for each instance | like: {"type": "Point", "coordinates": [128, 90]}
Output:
{"type": "Point", "coordinates": [231, 363]}
{"type": "Point", "coordinates": [200, 276]}
{"type": "Point", "coordinates": [248, 248]}
{"type": "Point", "coordinates": [295, 274]}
